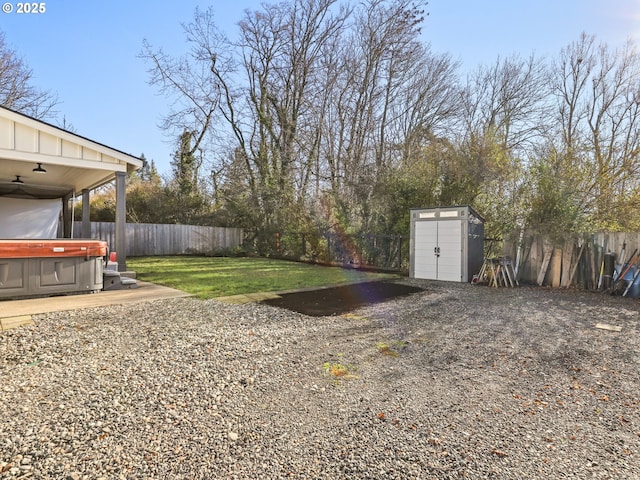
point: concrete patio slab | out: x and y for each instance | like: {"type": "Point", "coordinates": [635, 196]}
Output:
{"type": "Point", "coordinates": [143, 292]}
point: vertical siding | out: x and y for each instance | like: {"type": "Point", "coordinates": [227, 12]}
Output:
{"type": "Point", "coordinates": [162, 239]}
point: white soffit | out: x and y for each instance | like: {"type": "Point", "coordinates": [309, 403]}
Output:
{"type": "Point", "coordinates": [72, 163]}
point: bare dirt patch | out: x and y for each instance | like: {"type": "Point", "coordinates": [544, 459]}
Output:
{"type": "Point", "coordinates": [342, 299]}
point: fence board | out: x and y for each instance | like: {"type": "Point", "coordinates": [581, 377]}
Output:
{"type": "Point", "coordinates": [163, 239]}
{"type": "Point", "coordinates": [585, 271]}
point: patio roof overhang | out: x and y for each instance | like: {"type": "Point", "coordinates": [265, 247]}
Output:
{"type": "Point", "coordinates": [41, 161]}
{"type": "Point", "coordinates": [72, 163]}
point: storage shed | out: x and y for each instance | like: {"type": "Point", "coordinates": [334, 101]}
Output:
{"type": "Point", "coordinates": [447, 243]}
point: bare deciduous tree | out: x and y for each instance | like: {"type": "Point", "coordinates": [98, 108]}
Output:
{"type": "Point", "coordinates": [187, 81]}
{"type": "Point", "coordinates": [319, 114]}
{"type": "Point", "coordinates": [383, 84]}
{"type": "Point", "coordinates": [599, 142]}
{"type": "Point", "coordinates": [16, 89]}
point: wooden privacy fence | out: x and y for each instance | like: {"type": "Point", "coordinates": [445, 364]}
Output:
{"type": "Point", "coordinates": [574, 262]}
{"type": "Point", "coordinates": [164, 239]}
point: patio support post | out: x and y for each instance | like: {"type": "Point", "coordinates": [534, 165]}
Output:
{"type": "Point", "coordinates": [121, 221]}
{"type": "Point", "coordinates": [86, 220]}
{"type": "Point", "coordinates": [66, 216]}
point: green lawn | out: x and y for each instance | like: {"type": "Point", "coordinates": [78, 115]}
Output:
{"type": "Point", "coordinates": [210, 277]}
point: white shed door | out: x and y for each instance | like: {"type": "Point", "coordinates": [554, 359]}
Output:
{"type": "Point", "coordinates": [450, 247]}
{"type": "Point", "coordinates": [438, 250]}
{"type": "Point", "coordinates": [426, 241]}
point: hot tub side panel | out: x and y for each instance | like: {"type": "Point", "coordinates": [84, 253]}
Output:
{"type": "Point", "coordinates": [14, 278]}
{"type": "Point", "coordinates": [58, 268]}
{"type": "Point", "coordinates": [27, 277]}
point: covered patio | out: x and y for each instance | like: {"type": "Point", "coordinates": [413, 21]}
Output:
{"type": "Point", "coordinates": [42, 162]}
{"type": "Point", "coordinates": [43, 169]}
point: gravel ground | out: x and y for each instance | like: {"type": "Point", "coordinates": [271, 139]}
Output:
{"type": "Point", "coordinates": [458, 381]}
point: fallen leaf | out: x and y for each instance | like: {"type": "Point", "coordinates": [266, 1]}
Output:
{"type": "Point", "coordinates": [499, 453]}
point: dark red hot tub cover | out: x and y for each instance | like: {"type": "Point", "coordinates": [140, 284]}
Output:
{"type": "Point", "coordinates": [52, 248]}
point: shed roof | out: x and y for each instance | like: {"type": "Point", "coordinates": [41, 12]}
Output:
{"type": "Point", "coordinates": [72, 162]}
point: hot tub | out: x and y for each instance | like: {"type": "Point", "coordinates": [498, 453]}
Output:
{"type": "Point", "coordinates": [31, 268]}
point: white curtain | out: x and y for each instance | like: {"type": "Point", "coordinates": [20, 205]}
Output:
{"type": "Point", "coordinates": [23, 218]}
